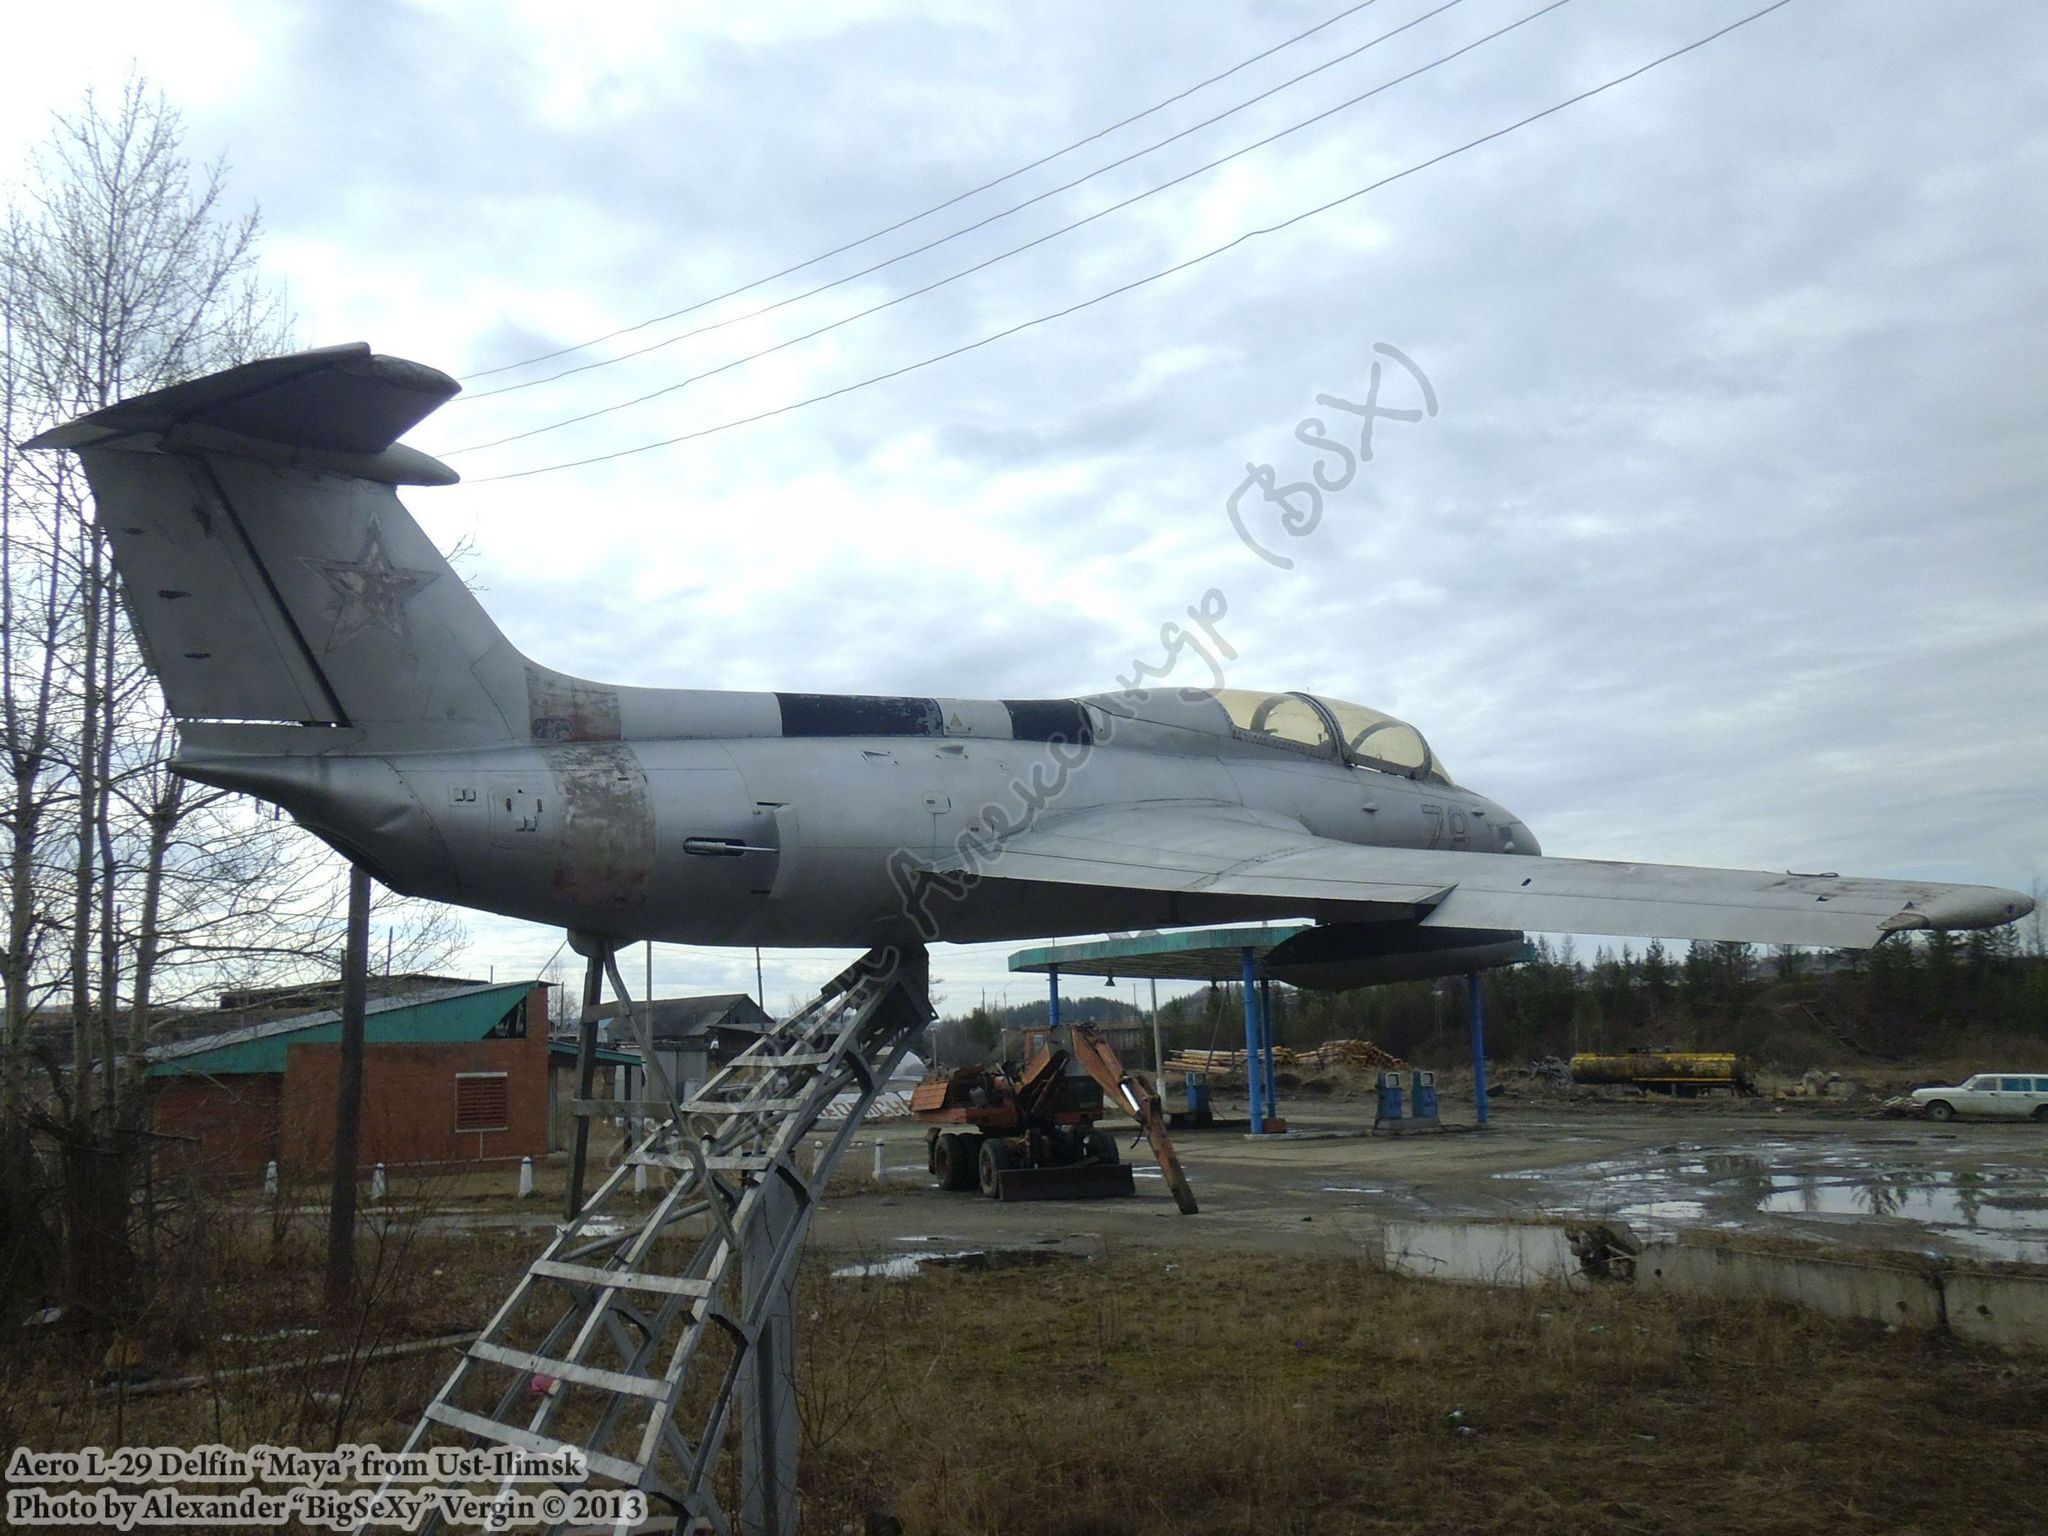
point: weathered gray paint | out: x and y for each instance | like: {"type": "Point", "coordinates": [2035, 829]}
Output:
{"type": "Point", "coordinates": [321, 654]}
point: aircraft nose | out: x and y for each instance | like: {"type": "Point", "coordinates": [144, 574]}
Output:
{"type": "Point", "coordinates": [1514, 835]}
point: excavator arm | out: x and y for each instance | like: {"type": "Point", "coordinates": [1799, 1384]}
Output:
{"type": "Point", "coordinates": [1134, 1091]}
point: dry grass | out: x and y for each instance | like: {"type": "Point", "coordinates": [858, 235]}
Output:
{"type": "Point", "coordinates": [1146, 1393]}
{"type": "Point", "coordinates": [1240, 1394]}
{"type": "Point", "coordinates": [261, 1305]}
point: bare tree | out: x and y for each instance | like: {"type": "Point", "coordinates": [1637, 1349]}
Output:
{"type": "Point", "coordinates": [121, 271]}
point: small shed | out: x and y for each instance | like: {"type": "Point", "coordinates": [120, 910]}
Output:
{"type": "Point", "coordinates": [693, 1036]}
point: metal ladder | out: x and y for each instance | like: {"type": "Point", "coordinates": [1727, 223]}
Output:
{"type": "Point", "coordinates": [635, 1323]}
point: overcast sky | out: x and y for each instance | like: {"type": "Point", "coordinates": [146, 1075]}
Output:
{"type": "Point", "coordinates": [1725, 545]}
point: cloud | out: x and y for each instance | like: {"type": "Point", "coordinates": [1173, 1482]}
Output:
{"type": "Point", "coordinates": [1725, 546]}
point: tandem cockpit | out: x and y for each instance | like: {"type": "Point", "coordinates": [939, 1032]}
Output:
{"type": "Point", "coordinates": [1301, 723]}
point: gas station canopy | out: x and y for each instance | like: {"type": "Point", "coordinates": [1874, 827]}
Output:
{"type": "Point", "coordinates": [1241, 955]}
{"type": "Point", "coordinates": [1203, 954]}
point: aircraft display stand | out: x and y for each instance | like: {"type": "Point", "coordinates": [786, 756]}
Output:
{"type": "Point", "coordinates": [639, 1334]}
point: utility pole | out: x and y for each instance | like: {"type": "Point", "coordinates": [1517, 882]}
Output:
{"type": "Point", "coordinates": [1158, 1051]}
{"type": "Point", "coordinates": [348, 1097]}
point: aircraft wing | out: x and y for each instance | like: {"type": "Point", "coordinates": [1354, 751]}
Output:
{"type": "Point", "coordinates": [1223, 850]}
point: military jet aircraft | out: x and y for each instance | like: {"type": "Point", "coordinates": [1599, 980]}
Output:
{"type": "Point", "coordinates": [319, 652]}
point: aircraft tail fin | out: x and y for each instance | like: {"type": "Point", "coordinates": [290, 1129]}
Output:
{"type": "Point", "coordinates": [272, 573]}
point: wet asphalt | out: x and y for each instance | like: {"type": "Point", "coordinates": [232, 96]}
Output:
{"type": "Point", "coordinates": [1966, 1190]}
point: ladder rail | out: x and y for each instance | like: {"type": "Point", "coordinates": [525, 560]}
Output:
{"type": "Point", "coordinates": [788, 1245]}
{"type": "Point", "coordinates": [734, 1149]}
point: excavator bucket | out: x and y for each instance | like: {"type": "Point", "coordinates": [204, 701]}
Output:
{"type": "Point", "coordinates": [1134, 1091]}
{"type": "Point", "coordinates": [1076, 1181]}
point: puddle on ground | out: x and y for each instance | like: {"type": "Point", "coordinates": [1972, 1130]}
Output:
{"type": "Point", "coordinates": [907, 1266]}
{"type": "Point", "coordinates": [1915, 1192]}
{"type": "Point", "coordinates": [1972, 1208]}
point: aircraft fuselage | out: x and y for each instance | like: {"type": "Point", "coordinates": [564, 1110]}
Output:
{"type": "Point", "coordinates": [815, 840]}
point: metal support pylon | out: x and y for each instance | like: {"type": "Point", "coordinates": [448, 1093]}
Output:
{"type": "Point", "coordinates": [637, 1335]}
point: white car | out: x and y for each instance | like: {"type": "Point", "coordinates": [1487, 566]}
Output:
{"type": "Point", "coordinates": [1994, 1095]}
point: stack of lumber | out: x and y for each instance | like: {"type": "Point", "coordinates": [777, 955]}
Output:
{"type": "Point", "coordinates": [1226, 1066]}
{"type": "Point", "coordinates": [1219, 1063]}
{"type": "Point", "coordinates": [1359, 1055]}
{"type": "Point", "coordinates": [1223, 1068]}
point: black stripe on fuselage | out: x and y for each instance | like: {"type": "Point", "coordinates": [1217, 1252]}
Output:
{"type": "Point", "coordinates": [857, 714]}
{"type": "Point", "coordinates": [1049, 720]}
{"type": "Point", "coordinates": [864, 714]}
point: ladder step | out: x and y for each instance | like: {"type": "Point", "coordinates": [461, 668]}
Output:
{"type": "Point", "coordinates": [540, 1445]}
{"type": "Point", "coordinates": [649, 1387]}
{"type": "Point", "coordinates": [618, 1279]}
{"type": "Point", "coordinates": [674, 1160]}
{"type": "Point", "coordinates": [725, 1163]}
{"type": "Point", "coordinates": [792, 1059]}
{"type": "Point", "coordinates": [731, 1107]}
{"type": "Point", "coordinates": [736, 1162]}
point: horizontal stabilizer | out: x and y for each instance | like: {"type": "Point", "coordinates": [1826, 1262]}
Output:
{"type": "Point", "coordinates": [339, 409]}
{"type": "Point", "coordinates": [271, 572]}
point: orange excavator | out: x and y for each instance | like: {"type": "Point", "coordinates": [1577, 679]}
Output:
{"type": "Point", "coordinates": [1029, 1132]}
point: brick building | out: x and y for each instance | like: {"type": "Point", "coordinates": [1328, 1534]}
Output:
{"type": "Point", "coordinates": [453, 1072]}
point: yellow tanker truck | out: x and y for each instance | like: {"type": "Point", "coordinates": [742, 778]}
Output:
{"type": "Point", "coordinates": [1683, 1073]}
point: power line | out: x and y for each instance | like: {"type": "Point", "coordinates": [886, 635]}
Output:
{"type": "Point", "coordinates": [1015, 250]}
{"type": "Point", "coordinates": [965, 229]}
{"type": "Point", "coordinates": [1164, 272]}
{"type": "Point", "coordinates": [958, 197]}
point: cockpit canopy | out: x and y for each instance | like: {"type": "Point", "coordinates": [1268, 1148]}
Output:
{"type": "Point", "coordinates": [1331, 728]}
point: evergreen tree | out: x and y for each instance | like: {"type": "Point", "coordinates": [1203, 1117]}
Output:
{"type": "Point", "coordinates": [1657, 977]}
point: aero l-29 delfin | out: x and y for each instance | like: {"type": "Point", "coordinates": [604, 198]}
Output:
{"type": "Point", "coordinates": [319, 652]}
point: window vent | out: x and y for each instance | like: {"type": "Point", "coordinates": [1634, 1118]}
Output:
{"type": "Point", "coordinates": [482, 1101]}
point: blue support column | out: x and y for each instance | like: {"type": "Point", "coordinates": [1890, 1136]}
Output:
{"type": "Point", "coordinates": [1052, 1014]}
{"type": "Point", "coordinates": [1251, 1042]}
{"type": "Point", "coordinates": [1266, 1041]}
{"type": "Point", "coordinates": [1477, 1008]}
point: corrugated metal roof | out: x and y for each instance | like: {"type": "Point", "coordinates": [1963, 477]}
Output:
{"type": "Point", "coordinates": [459, 1013]}
{"type": "Point", "coordinates": [606, 1055]}
{"type": "Point", "coordinates": [693, 1015]}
